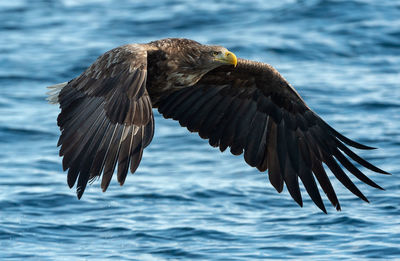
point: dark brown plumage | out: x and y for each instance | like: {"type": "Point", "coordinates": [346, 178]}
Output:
{"type": "Point", "coordinates": [106, 117]}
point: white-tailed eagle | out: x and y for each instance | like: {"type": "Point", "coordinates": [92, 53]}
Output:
{"type": "Point", "coordinates": [106, 117]}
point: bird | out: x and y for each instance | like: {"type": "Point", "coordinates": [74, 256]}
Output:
{"type": "Point", "coordinates": [106, 118]}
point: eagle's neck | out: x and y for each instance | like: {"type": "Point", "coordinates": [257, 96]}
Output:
{"type": "Point", "coordinates": [167, 73]}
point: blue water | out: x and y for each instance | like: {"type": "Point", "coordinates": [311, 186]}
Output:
{"type": "Point", "coordinates": [187, 200]}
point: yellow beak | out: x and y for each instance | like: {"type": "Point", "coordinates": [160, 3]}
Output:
{"type": "Point", "coordinates": [228, 58]}
{"type": "Point", "coordinates": [231, 58]}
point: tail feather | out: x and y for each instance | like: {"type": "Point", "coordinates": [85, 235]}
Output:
{"type": "Point", "coordinates": [54, 91]}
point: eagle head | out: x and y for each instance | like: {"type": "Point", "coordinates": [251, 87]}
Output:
{"type": "Point", "coordinates": [213, 56]}
{"type": "Point", "coordinates": [198, 60]}
{"type": "Point", "coordinates": [187, 60]}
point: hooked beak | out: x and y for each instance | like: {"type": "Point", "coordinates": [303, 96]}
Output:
{"type": "Point", "coordinates": [228, 58]}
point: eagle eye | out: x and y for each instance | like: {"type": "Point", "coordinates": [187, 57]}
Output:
{"type": "Point", "coordinates": [215, 53]}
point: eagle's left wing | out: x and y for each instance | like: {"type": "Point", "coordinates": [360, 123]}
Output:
{"type": "Point", "coordinates": [106, 118]}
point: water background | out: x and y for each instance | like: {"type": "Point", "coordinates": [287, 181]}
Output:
{"type": "Point", "coordinates": [187, 200]}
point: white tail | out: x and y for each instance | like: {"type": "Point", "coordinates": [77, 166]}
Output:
{"type": "Point", "coordinates": [53, 92]}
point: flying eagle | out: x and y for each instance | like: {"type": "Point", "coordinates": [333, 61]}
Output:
{"type": "Point", "coordinates": [106, 117]}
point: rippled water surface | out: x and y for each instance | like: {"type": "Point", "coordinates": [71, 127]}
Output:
{"type": "Point", "coordinates": [187, 200]}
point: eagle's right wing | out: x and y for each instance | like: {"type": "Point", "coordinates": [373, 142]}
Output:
{"type": "Point", "coordinates": [252, 109]}
{"type": "Point", "coordinates": [106, 118]}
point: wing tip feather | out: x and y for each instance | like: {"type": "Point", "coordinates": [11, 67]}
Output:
{"type": "Point", "coordinates": [79, 192]}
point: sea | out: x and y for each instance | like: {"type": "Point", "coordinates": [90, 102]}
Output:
{"type": "Point", "coordinates": [187, 200]}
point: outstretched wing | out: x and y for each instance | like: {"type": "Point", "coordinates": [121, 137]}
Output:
{"type": "Point", "coordinates": [252, 109]}
{"type": "Point", "coordinates": [106, 117]}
